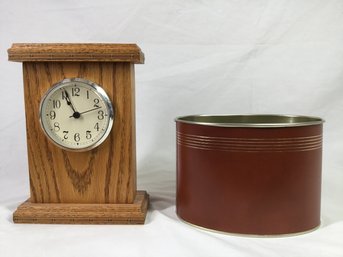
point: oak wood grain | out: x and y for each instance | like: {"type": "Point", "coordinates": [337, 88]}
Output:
{"type": "Point", "coordinates": [106, 174]}
{"type": "Point", "coordinates": [64, 213]}
{"type": "Point", "coordinates": [44, 52]}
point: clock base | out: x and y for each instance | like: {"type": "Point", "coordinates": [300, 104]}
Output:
{"type": "Point", "coordinates": [73, 213]}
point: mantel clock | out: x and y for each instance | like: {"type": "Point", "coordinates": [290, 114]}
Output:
{"type": "Point", "coordinates": [80, 126]}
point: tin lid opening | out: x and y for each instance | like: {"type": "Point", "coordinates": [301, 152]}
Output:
{"type": "Point", "coordinates": [255, 121]}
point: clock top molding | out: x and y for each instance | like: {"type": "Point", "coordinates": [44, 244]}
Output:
{"type": "Point", "coordinates": [71, 52]}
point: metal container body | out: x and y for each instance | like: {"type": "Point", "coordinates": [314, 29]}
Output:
{"type": "Point", "coordinates": [253, 176]}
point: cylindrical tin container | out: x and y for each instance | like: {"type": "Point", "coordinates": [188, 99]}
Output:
{"type": "Point", "coordinates": [249, 174]}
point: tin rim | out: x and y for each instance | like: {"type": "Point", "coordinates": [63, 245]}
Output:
{"type": "Point", "coordinates": [251, 120]}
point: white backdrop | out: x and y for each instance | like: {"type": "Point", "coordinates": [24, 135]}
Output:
{"type": "Point", "coordinates": [202, 56]}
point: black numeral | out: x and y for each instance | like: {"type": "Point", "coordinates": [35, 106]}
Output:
{"type": "Point", "coordinates": [87, 94]}
{"type": "Point", "coordinates": [101, 115]}
{"type": "Point", "coordinates": [77, 137]}
{"type": "Point", "coordinates": [96, 102]}
{"type": "Point", "coordinates": [88, 134]}
{"type": "Point", "coordinates": [52, 115]}
{"type": "Point", "coordinates": [65, 132]}
{"type": "Point", "coordinates": [96, 126]}
{"type": "Point", "coordinates": [56, 104]}
{"type": "Point", "coordinates": [75, 91]}
{"type": "Point", "coordinates": [63, 95]}
{"type": "Point", "coordinates": [57, 126]}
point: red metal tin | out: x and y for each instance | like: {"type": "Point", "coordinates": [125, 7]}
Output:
{"type": "Point", "coordinates": [249, 174]}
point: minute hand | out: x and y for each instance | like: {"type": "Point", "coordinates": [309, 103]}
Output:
{"type": "Point", "coordinates": [87, 111]}
{"type": "Point", "coordinates": [69, 101]}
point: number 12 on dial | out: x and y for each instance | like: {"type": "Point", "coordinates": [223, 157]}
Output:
{"type": "Point", "coordinates": [76, 114]}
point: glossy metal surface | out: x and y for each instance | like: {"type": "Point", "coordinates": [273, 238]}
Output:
{"type": "Point", "coordinates": [253, 120]}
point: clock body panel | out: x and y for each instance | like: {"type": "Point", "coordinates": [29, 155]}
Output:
{"type": "Point", "coordinates": [105, 174]}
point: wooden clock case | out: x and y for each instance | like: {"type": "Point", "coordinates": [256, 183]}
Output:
{"type": "Point", "coordinates": [92, 187]}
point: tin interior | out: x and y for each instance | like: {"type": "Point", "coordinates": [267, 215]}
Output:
{"type": "Point", "coordinates": [263, 121]}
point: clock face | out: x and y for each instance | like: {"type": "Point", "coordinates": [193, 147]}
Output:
{"type": "Point", "coordinates": [76, 114]}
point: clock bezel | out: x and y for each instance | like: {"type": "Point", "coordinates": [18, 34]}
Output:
{"type": "Point", "coordinates": [100, 91]}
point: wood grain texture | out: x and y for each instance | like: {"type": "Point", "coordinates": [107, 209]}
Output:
{"type": "Point", "coordinates": [106, 174]}
{"type": "Point", "coordinates": [64, 213]}
{"type": "Point", "coordinates": [22, 52]}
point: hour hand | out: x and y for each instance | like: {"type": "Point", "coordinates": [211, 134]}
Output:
{"type": "Point", "coordinates": [96, 108]}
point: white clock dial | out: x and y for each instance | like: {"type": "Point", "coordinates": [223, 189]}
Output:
{"type": "Point", "coordinates": [76, 114]}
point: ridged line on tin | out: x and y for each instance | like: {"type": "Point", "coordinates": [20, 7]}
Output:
{"type": "Point", "coordinates": [250, 144]}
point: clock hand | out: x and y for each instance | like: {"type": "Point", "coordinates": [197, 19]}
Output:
{"type": "Point", "coordinates": [69, 101]}
{"type": "Point", "coordinates": [76, 114]}
{"type": "Point", "coordinates": [85, 111]}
